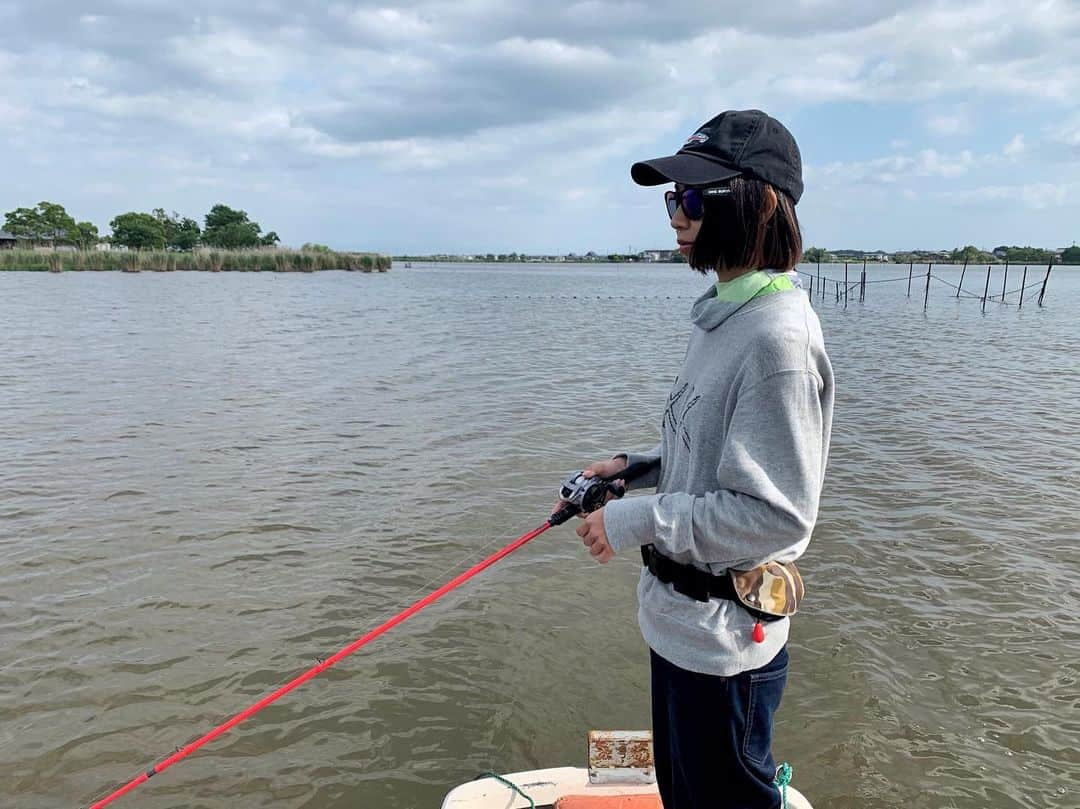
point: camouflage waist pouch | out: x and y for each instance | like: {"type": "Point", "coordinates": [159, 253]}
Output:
{"type": "Point", "coordinates": [773, 590]}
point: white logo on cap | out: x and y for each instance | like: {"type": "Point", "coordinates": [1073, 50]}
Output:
{"type": "Point", "coordinates": [699, 137]}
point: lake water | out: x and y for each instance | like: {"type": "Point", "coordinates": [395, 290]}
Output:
{"type": "Point", "coordinates": [210, 480]}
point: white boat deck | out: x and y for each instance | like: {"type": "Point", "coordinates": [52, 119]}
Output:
{"type": "Point", "coordinates": [545, 787]}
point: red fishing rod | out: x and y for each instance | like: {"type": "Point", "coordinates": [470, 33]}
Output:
{"type": "Point", "coordinates": [581, 494]}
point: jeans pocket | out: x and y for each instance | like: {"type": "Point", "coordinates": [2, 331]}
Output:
{"type": "Point", "coordinates": [765, 690]}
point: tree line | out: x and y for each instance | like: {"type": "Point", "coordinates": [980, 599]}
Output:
{"type": "Point", "coordinates": [223, 228]}
{"type": "Point", "coordinates": [970, 254]}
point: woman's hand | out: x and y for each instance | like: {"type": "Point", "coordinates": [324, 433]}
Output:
{"type": "Point", "coordinates": [594, 536]}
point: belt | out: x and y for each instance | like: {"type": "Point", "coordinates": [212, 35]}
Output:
{"type": "Point", "coordinates": [687, 579]}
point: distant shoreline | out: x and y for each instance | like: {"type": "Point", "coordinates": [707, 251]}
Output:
{"type": "Point", "coordinates": [639, 260]}
{"type": "Point", "coordinates": [265, 260]}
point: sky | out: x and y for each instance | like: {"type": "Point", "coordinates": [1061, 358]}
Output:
{"type": "Point", "coordinates": [464, 126]}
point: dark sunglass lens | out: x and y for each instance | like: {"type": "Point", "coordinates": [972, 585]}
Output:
{"type": "Point", "coordinates": [692, 204]}
{"type": "Point", "coordinates": [672, 201]}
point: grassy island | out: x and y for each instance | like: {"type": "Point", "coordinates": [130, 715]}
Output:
{"type": "Point", "coordinates": [255, 260]}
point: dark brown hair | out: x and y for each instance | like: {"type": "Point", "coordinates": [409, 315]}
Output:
{"type": "Point", "coordinates": [733, 235]}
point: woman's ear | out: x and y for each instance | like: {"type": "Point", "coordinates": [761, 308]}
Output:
{"type": "Point", "coordinates": [768, 205]}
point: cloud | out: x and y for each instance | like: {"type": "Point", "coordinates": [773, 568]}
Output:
{"type": "Point", "coordinates": [1015, 147]}
{"type": "Point", "coordinates": [465, 91]}
{"type": "Point", "coordinates": [1067, 134]}
{"type": "Point", "coordinates": [318, 99]}
{"type": "Point", "coordinates": [367, 72]}
{"type": "Point", "coordinates": [893, 169]}
{"type": "Point", "coordinates": [955, 123]}
{"type": "Point", "coordinates": [1036, 196]}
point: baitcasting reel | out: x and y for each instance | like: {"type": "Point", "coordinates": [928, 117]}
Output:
{"type": "Point", "coordinates": [588, 494]}
{"type": "Point", "coordinates": [584, 495]}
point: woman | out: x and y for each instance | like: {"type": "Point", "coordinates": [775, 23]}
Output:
{"type": "Point", "coordinates": [744, 440]}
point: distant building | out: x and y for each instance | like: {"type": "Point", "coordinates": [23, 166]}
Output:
{"type": "Point", "coordinates": [7, 241]}
{"type": "Point", "coordinates": [656, 255]}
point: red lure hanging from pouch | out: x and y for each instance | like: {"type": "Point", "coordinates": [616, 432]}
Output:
{"type": "Point", "coordinates": [759, 633]}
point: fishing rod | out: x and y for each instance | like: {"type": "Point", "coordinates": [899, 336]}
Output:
{"type": "Point", "coordinates": [580, 494]}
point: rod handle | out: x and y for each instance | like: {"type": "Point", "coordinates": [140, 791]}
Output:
{"type": "Point", "coordinates": [635, 470]}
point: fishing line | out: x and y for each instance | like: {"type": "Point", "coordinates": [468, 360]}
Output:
{"type": "Point", "coordinates": [581, 494]}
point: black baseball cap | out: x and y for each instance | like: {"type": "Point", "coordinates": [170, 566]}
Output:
{"type": "Point", "coordinates": [735, 143]}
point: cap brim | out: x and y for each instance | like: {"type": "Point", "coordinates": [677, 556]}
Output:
{"type": "Point", "coordinates": [685, 169]}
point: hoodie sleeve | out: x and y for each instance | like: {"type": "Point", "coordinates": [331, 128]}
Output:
{"type": "Point", "coordinates": [768, 484]}
{"type": "Point", "coordinates": [650, 480]}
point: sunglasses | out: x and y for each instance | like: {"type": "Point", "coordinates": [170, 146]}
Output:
{"type": "Point", "coordinates": [692, 200]}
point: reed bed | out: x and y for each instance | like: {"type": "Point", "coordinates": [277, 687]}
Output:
{"type": "Point", "coordinates": [201, 261]}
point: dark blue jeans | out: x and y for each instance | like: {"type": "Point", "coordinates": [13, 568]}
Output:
{"type": "Point", "coordinates": [712, 736]}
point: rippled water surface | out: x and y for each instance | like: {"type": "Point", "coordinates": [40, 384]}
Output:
{"type": "Point", "coordinates": [208, 481]}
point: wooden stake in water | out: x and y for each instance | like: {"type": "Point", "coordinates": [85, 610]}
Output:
{"type": "Point", "coordinates": [845, 285]}
{"type": "Point", "coordinates": [1004, 281]}
{"type": "Point", "coordinates": [1042, 293]}
{"type": "Point", "coordinates": [987, 287]}
{"type": "Point", "coordinates": [962, 271]}
{"type": "Point", "coordinates": [1023, 283]}
{"type": "Point", "coordinates": [926, 300]}
{"type": "Point", "coordinates": [862, 283]}
{"type": "Point", "coordinates": [910, 270]}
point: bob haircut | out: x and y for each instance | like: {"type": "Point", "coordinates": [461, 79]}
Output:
{"type": "Point", "coordinates": [734, 236]}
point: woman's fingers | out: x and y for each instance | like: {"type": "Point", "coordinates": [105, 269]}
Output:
{"type": "Point", "coordinates": [604, 469]}
{"type": "Point", "coordinates": [593, 537]}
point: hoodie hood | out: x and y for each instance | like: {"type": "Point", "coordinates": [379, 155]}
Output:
{"type": "Point", "coordinates": [725, 298]}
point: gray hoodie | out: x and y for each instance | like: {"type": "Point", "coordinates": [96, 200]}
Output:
{"type": "Point", "coordinates": [744, 441]}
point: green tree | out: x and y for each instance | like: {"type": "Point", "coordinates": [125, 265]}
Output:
{"type": "Point", "coordinates": [813, 255]}
{"type": "Point", "coordinates": [25, 223]}
{"type": "Point", "coordinates": [270, 239]}
{"type": "Point", "coordinates": [181, 233]}
{"type": "Point", "coordinates": [85, 235]}
{"type": "Point", "coordinates": [46, 222]}
{"type": "Point", "coordinates": [969, 254]}
{"type": "Point", "coordinates": [59, 225]}
{"type": "Point", "coordinates": [1071, 255]}
{"type": "Point", "coordinates": [138, 231]}
{"type": "Point", "coordinates": [314, 247]}
{"type": "Point", "coordinates": [1035, 255]}
{"type": "Point", "coordinates": [230, 229]}
{"type": "Point", "coordinates": [168, 223]}
{"type": "Point", "coordinates": [186, 234]}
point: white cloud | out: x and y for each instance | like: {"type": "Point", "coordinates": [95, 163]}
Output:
{"type": "Point", "coordinates": [1067, 134]}
{"type": "Point", "coordinates": [1036, 196]}
{"type": "Point", "coordinates": [387, 25]}
{"type": "Point", "coordinates": [954, 123]}
{"type": "Point", "coordinates": [468, 92]}
{"type": "Point", "coordinates": [1015, 147]}
{"type": "Point", "coordinates": [893, 169]}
